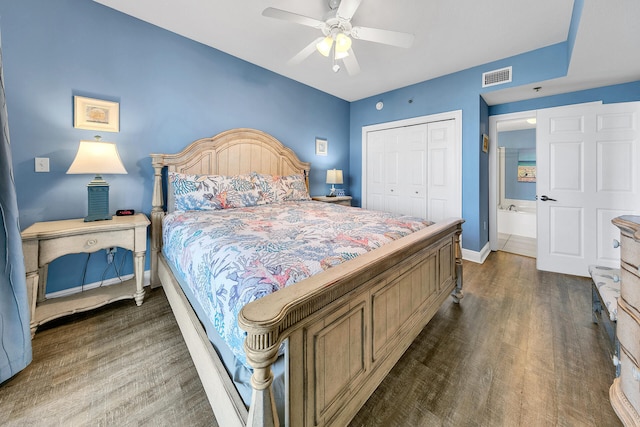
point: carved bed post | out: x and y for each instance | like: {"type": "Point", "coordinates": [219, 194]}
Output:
{"type": "Point", "coordinates": [261, 353]}
{"type": "Point", "coordinates": [157, 213]}
{"type": "Point", "coordinates": [457, 293]}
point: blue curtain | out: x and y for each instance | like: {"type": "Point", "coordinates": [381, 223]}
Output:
{"type": "Point", "coordinates": [15, 335]}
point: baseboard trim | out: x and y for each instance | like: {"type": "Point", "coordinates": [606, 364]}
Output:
{"type": "Point", "coordinates": [477, 257]}
{"type": "Point", "coordinates": [146, 279]}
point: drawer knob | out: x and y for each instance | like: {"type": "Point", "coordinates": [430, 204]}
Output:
{"type": "Point", "coordinates": [616, 278]}
{"type": "Point", "coordinates": [616, 243]}
{"type": "Point", "coordinates": [92, 242]}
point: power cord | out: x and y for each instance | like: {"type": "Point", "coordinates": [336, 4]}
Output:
{"type": "Point", "coordinates": [116, 269]}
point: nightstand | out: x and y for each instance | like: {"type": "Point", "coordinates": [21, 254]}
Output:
{"type": "Point", "coordinates": [45, 241]}
{"type": "Point", "coordinates": [338, 200]}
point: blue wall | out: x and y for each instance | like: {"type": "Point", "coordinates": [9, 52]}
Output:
{"type": "Point", "coordinates": [171, 91]}
{"type": "Point", "coordinates": [458, 91]}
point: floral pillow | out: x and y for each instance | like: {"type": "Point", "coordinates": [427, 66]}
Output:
{"type": "Point", "coordinates": [295, 188]}
{"type": "Point", "coordinates": [211, 192]}
{"type": "Point", "coordinates": [275, 189]}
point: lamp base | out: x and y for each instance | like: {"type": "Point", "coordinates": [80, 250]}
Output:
{"type": "Point", "coordinates": [98, 198]}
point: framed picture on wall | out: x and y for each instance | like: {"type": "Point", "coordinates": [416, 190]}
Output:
{"type": "Point", "coordinates": [485, 143]}
{"type": "Point", "coordinates": [96, 114]}
{"type": "Point", "coordinates": [322, 147]}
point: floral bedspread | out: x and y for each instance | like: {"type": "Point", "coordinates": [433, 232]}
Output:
{"type": "Point", "coordinates": [231, 257]}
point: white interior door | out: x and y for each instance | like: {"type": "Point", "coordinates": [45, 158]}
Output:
{"type": "Point", "coordinates": [587, 161]}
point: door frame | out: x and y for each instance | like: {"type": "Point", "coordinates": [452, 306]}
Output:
{"type": "Point", "coordinates": [493, 169]}
{"type": "Point", "coordinates": [493, 165]}
{"type": "Point", "coordinates": [450, 115]}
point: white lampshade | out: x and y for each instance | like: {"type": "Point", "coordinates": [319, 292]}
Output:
{"type": "Point", "coordinates": [334, 176]}
{"type": "Point", "coordinates": [343, 42]}
{"type": "Point", "coordinates": [324, 47]}
{"type": "Point", "coordinates": [95, 157]}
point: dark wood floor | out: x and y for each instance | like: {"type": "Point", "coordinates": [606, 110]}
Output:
{"type": "Point", "coordinates": [520, 349]}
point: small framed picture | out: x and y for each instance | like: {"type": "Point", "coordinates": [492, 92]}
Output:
{"type": "Point", "coordinates": [485, 143]}
{"type": "Point", "coordinates": [322, 146]}
{"type": "Point", "coordinates": [96, 114]}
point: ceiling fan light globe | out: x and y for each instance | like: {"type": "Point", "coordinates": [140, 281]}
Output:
{"type": "Point", "coordinates": [343, 42]}
{"type": "Point", "coordinates": [340, 55]}
{"type": "Point", "coordinates": [324, 47]}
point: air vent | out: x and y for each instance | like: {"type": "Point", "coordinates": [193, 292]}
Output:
{"type": "Point", "coordinates": [496, 77]}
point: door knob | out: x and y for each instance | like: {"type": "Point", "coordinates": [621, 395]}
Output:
{"type": "Point", "coordinates": [545, 198]}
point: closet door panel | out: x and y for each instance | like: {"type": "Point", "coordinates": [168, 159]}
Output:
{"type": "Point", "coordinates": [376, 179]}
{"type": "Point", "coordinates": [414, 170]}
{"type": "Point", "coordinates": [442, 171]}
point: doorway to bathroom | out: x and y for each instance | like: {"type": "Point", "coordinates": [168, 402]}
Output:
{"type": "Point", "coordinates": [514, 201]}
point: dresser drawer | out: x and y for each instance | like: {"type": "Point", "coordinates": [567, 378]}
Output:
{"type": "Point", "coordinates": [630, 288]}
{"type": "Point", "coordinates": [89, 242]}
{"type": "Point", "coordinates": [629, 378]}
{"type": "Point", "coordinates": [628, 329]}
{"type": "Point", "coordinates": [630, 251]}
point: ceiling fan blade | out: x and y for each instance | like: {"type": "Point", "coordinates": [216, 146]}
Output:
{"type": "Point", "coordinates": [351, 63]}
{"type": "Point", "coordinates": [392, 38]}
{"type": "Point", "coordinates": [304, 53]}
{"type": "Point", "coordinates": [347, 8]}
{"type": "Point", "coordinates": [272, 12]}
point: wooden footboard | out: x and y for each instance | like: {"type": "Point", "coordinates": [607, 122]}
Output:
{"type": "Point", "coordinates": [348, 326]}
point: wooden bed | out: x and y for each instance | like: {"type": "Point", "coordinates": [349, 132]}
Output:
{"type": "Point", "coordinates": [345, 328]}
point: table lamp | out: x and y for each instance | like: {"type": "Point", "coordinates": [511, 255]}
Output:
{"type": "Point", "coordinates": [334, 176]}
{"type": "Point", "coordinates": [96, 157]}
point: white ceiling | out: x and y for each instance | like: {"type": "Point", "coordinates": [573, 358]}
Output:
{"type": "Point", "coordinates": [449, 36]}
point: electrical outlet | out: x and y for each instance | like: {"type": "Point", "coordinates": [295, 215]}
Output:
{"type": "Point", "coordinates": [42, 164]}
{"type": "Point", "coordinates": [111, 253]}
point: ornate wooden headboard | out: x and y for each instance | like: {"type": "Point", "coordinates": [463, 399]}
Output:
{"type": "Point", "coordinates": [236, 151]}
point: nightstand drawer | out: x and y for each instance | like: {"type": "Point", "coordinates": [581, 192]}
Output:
{"type": "Point", "coordinates": [90, 242]}
{"type": "Point", "coordinates": [336, 200]}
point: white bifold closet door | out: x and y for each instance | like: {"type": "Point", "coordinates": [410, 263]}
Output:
{"type": "Point", "coordinates": [409, 170]}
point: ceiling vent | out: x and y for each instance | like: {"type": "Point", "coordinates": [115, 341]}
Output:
{"type": "Point", "coordinates": [496, 77]}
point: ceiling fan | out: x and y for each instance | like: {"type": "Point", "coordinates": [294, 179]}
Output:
{"type": "Point", "coordinates": [337, 33]}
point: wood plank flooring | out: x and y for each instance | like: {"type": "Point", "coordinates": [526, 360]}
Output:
{"type": "Point", "coordinates": [520, 349]}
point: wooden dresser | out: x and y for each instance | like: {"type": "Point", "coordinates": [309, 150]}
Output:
{"type": "Point", "coordinates": [625, 391]}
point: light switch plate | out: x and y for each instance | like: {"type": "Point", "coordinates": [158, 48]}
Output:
{"type": "Point", "coordinates": [42, 164]}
